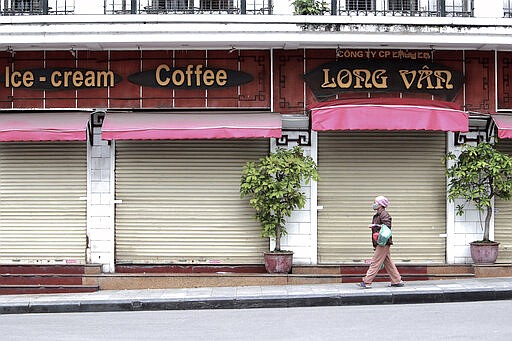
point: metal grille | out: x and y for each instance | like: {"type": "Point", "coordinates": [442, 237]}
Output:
{"type": "Point", "coordinates": [361, 5]}
{"type": "Point", "coordinates": [430, 8]}
{"type": "Point", "coordinates": [21, 7]}
{"type": "Point", "coordinates": [403, 5]}
{"type": "Point", "coordinates": [181, 202]}
{"type": "Point", "coordinates": [503, 217]}
{"type": "Point", "coordinates": [407, 167]}
{"type": "Point", "coordinates": [188, 6]}
{"type": "Point", "coordinates": [42, 216]}
{"type": "Point", "coordinates": [507, 8]}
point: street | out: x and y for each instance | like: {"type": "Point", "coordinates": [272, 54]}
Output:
{"type": "Point", "coordinates": [489, 320]}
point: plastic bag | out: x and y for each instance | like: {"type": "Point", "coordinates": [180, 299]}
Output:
{"type": "Point", "coordinates": [384, 235]}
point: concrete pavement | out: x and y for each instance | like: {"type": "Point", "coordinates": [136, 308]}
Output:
{"type": "Point", "coordinates": [433, 291]}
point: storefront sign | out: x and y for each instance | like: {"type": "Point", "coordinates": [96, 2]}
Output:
{"type": "Point", "coordinates": [384, 54]}
{"type": "Point", "coordinates": [190, 77]}
{"type": "Point", "coordinates": [356, 75]}
{"type": "Point", "coordinates": [164, 76]}
{"type": "Point", "coordinates": [59, 79]}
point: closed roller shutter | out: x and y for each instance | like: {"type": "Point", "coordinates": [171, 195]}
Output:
{"type": "Point", "coordinates": [404, 166]}
{"type": "Point", "coordinates": [503, 218]}
{"type": "Point", "coordinates": [42, 218]}
{"type": "Point", "coordinates": [181, 202]}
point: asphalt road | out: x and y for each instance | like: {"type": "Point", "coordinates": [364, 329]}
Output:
{"type": "Point", "coordinates": [489, 320]}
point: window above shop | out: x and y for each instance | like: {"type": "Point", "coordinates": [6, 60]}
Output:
{"type": "Point", "coordinates": [188, 6]}
{"type": "Point", "coordinates": [24, 7]}
{"type": "Point", "coordinates": [425, 8]}
{"type": "Point", "coordinates": [415, 8]}
{"type": "Point", "coordinates": [507, 8]}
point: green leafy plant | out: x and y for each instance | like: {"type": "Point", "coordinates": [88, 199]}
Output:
{"type": "Point", "coordinates": [310, 7]}
{"type": "Point", "coordinates": [274, 184]}
{"type": "Point", "coordinates": [479, 174]}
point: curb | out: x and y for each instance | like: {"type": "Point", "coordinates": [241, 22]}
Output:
{"type": "Point", "coordinates": [342, 299]}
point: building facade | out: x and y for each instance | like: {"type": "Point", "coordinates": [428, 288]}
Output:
{"type": "Point", "coordinates": [124, 125]}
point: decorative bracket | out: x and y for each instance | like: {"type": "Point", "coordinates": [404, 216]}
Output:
{"type": "Point", "coordinates": [303, 138]}
{"type": "Point", "coordinates": [484, 132]}
{"type": "Point", "coordinates": [461, 138]}
{"type": "Point", "coordinates": [96, 120]}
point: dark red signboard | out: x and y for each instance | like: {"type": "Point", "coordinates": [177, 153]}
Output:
{"type": "Point", "coordinates": [353, 75]}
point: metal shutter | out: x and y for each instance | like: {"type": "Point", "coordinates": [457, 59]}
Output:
{"type": "Point", "coordinates": [406, 167]}
{"type": "Point", "coordinates": [181, 202]}
{"type": "Point", "coordinates": [503, 217]}
{"type": "Point", "coordinates": [42, 218]}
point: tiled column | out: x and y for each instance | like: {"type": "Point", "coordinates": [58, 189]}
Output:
{"type": "Point", "coordinates": [461, 230]}
{"type": "Point", "coordinates": [301, 225]}
{"type": "Point", "coordinates": [100, 222]}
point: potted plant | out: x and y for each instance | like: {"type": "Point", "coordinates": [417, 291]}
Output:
{"type": "Point", "coordinates": [274, 185]}
{"type": "Point", "coordinates": [480, 174]}
{"type": "Point", "coordinates": [310, 7]}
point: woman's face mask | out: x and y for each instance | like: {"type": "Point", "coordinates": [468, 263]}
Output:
{"type": "Point", "coordinates": [375, 206]}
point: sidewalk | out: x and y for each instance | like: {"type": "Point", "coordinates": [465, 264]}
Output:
{"type": "Point", "coordinates": [434, 291]}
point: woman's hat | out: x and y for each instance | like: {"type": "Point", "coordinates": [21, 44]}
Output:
{"type": "Point", "coordinates": [382, 201]}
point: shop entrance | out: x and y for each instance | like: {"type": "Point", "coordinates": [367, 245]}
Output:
{"type": "Point", "coordinates": [42, 211]}
{"type": "Point", "coordinates": [181, 202]}
{"type": "Point", "coordinates": [406, 167]}
{"type": "Point", "coordinates": [502, 226]}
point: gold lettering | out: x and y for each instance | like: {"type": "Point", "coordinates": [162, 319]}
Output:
{"type": "Point", "coordinates": [379, 80]}
{"type": "Point", "coordinates": [404, 74]}
{"type": "Point", "coordinates": [28, 79]}
{"type": "Point", "coordinates": [158, 75]}
{"type": "Point", "coordinates": [344, 79]}
{"type": "Point", "coordinates": [55, 79]}
{"type": "Point", "coordinates": [189, 74]}
{"type": "Point", "coordinates": [105, 79]}
{"type": "Point", "coordinates": [328, 83]}
{"type": "Point", "coordinates": [209, 78]}
{"type": "Point", "coordinates": [7, 78]}
{"type": "Point", "coordinates": [366, 78]}
{"type": "Point", "coordinates": [198, 73]}
{"type": "Point", "coordinates": [425, 74]}
{"type": "Point", "coordinates": [443, 79]}
{"type": "Point", "coordinates": [222, 77]}
{"type": "Point", "coordinates": [90, 79]}
{"type": "Point", "coordinates": [67, 74]}
{"type": "Point", "coordinates": [175, 75]}
{"type": "Point", "coordinates": [78, 78]}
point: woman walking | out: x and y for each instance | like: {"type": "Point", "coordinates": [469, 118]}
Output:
{"type": "Point", "coordinates": [382, 254]}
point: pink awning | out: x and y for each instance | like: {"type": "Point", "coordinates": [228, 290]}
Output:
{"type": "Point", "coordinates": [181, 126]}
{"type": "Point", "coordinates": [504, 125]}
{"type": "Point", "coordinates": [50, 126]}
{"type": "Point", "coordinates": [388, 114]}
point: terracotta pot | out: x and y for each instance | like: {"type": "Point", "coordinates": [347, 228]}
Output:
{"type": "Point", "coordinates": [484, 253]}
{"type": "Point", "coordinates": [278, 262]}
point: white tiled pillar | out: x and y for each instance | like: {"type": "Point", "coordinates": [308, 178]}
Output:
{"type": "Point", "coordinates": [461, 230]}
{"type": "Point", "coordinates": [100, 222]}
{"type": "Point", "coordinates": [301, 225]}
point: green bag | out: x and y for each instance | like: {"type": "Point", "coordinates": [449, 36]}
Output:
{"type": "Point", "coordinates": [384, 235]}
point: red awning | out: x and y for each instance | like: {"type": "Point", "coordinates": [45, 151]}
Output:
{"type": "Point", "coordinates": [504, 125]}
{"type": "Point", "coordinates": [181, 126]}
{"type": "Point", "coordinates": [388, 114]}
{"type": "Point", "coordinates": [48, 126]}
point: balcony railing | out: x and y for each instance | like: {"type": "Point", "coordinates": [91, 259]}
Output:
{"type": "Point", "coordinates": [188, 6]}
{"type": "Point", "coordinates": [31, 7]}
{"type": "Point", "coordinates": [507, 8]}
{"type": "Point", "coordinates": [423, 8]}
